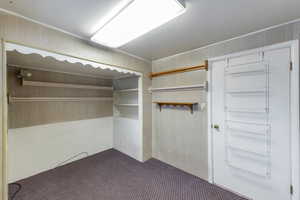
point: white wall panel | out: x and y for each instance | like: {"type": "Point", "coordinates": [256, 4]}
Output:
{"type": "Point", "coordinates": [36, 149]}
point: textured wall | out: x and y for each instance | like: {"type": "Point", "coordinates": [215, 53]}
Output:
{"type": "Point", "coordinates": [179, 138]}
{"type": "Point", "coordinates": [28, 114]}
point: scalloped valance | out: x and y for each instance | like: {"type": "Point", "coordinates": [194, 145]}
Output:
{"type": "Point", "coordinates": [28, 50]}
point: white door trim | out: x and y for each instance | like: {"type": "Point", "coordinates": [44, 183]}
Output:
{"type": "Point", "coordinates": [295, 139]}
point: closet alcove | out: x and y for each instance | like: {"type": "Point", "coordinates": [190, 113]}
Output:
{"type": "Point", "coordinates": [63, 108]}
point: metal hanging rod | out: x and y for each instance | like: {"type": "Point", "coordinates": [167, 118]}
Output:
{"type": "Point", "coordinates": [64, 85]}
{"type": "Point", "coordinates": [181, 70]}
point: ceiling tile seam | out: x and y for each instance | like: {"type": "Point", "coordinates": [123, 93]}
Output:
{"type": "Point", "coordinates": [68, 33]}
{"type": "Point", "coordinates": [230, 39]}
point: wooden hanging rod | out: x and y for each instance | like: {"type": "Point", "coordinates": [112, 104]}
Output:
{"type": "Point", "coordinates": [181, 70]}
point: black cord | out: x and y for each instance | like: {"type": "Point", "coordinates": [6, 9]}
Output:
{"type": "Point", "coordinates": [13, 196]}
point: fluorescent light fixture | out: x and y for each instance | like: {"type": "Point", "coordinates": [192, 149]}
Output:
{"type": "Point", "coordinates": [133, 18]}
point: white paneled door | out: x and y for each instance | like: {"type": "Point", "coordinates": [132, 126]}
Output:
{"type": "Point", "coordinates": [251, 123]}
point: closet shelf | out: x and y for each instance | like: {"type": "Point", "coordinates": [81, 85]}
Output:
{"type": "Point", "coordinates": [248, 151]}
{"type": "Point", "coordinates": [64, 85]}
{"type": "Point", "coordinates": [247, 122]}
{"type": "Point", "coordinates": [56, 99]}
{"type": "Point", "coordinates": [248, 68]}
{"type": "Point", "coordinates": [259, 133]}
{"type": "Point", "coordinates": [187, 87]}
{"type": "Point", "coordinates": [128, 90]}
{"type": "Point", "coordinates": [182, 104]}
{"type": "Point", "coordinates": [259, 174]}
{"type": "Point", "coordinates": [263, 90]}
{"type": "Point", "coordinates": [247, 110]}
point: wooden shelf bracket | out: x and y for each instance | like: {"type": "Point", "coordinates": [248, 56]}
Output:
{"type": "Point", "coordinates": [189, 105]}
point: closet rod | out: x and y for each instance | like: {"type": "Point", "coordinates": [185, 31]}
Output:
{"type": "Point", "coordinates": [64, 85]}
{"type": "Point", "coordinates": [56, 99]}
{"type": "Point", "coordinates": [181, 70]}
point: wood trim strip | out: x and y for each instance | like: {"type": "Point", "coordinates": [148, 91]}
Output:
{"type": "Point", "coordinates": [181, 70]}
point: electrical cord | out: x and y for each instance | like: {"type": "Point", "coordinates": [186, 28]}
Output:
{"type": "Point", "coordinates": [13, 196]}
{"type": "Point", "coordinates": [19, 186]}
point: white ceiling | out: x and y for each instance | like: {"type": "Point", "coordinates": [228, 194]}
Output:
{"type": "Point", "coordinates": [205, 22]}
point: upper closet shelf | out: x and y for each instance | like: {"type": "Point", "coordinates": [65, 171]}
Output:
{"type": "Point", "coordinates": [187, 87]}
{"type": "Point", "coordinates": [64, 85]}
{"type": "Point", "coordinates": [82, 65]}
{"type": "Point", "coordinates": [181, 70]}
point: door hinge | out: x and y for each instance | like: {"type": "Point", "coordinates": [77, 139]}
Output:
{"type": "Point", "coordinates": [291, 66]}
{"type": "Point", "coordinates": [291, 190]}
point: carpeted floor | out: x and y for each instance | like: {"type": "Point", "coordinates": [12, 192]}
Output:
{"type": "Point", "coordinates": [111, 175]}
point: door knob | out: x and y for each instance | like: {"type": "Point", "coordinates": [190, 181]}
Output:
{"type": "Point", "coordinates": [216, 126]}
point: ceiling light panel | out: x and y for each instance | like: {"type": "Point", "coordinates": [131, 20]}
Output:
{"type": "Point", "coordinates": [136, 18]}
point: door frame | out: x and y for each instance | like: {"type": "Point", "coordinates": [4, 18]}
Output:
{"type": "Point", "coordinates": [294, 111]}
{"type": "Point", "coordinates": [3, 118]}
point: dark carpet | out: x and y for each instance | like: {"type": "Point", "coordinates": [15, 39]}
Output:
{"type": "Point", "coordinates": [111, 175]}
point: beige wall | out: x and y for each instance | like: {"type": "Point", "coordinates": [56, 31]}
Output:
{"type": "Point", "coordinates": [179, 138]}
{"type": "Point", "coordinates": [22, 31]}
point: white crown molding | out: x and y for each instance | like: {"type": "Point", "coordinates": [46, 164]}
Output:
{"type": "Point", "coordinates": [133, 55]}
{"type": "Point", "coordinates": [68, 33]}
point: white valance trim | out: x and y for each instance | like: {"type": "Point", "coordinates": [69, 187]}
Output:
{"type": "Point", "coordinates": [28, 50]}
